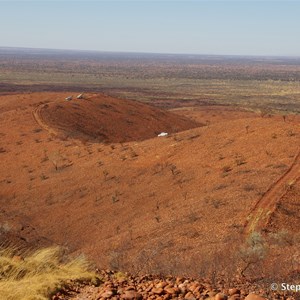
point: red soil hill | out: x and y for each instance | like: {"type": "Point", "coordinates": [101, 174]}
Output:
{"type": "Point", "coordinates": [102, 118]}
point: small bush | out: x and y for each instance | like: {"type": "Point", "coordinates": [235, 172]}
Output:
{"type": "Point", "coordinates": [253, 251]}
{"type": "Point", "coordinates": [282, 238]}
{"type": "Point", "coordinates": [249, 187]}
{"type": "Point", "coordinates": [240, 161]}
{"type": "Point", "coordinates": [226, 169]}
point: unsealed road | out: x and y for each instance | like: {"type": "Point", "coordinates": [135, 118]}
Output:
{"type": "Point", "coordinates": [266, 205]}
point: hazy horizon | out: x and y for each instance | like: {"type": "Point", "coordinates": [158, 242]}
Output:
{"type": "Point", "coordinates": [148, 53]}
{"type": "Point", "coordinates": [237, 28]}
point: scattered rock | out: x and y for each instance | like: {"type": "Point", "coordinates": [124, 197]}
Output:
{"type": "Point", "coordinates": [252, 296]}
{"type": "Point", "coordinates": [189, 296]}
{"type": "Point", "coordinates": [211, 294]}
{"type": "Point", "coordinates": [96, 281]}
{"type": "Point", "coordinates": [107, 294]}
{"type": "Point", "coordinates": [234, 291]}
{"type": "Point", "coordinates": [131, 295]}
{"type": "Point", "coordinates": [220, 296]}
{"type": "Point", "coordinates": [157, 288]}
{"type": "Point", "coordinates": [179, 280]}
{"type": "Point", "coordinates": [157, 291]}
{"type": "Point", "coordinates": [161, 284]}
{"type": "Point", "coordinates": [170, 290]}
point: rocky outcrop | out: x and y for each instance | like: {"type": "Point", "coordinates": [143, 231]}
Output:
{"type": "Point", "coordinates": [117, 285]}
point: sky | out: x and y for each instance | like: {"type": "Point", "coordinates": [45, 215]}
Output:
{"type": "Point", "coordinates": [241, 27]}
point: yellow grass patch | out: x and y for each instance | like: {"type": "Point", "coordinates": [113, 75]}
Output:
{"type": "Point", "coordinates": [37, 275]}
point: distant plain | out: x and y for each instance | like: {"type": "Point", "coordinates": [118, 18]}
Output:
{"type": "Point", "coordinates": [257, 83]}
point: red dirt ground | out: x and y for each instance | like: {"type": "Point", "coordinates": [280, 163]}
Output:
{"type": "Point", "coordinates": [171, 204]}
{"type": "Point", "coordinates": [106, 119]}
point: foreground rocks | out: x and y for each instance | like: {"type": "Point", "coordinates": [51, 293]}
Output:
{"type": "Point", "coordinates": [117, 285]}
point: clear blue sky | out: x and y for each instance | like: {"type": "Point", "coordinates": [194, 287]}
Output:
{"type": "Point", "coordinates": [201, 27]}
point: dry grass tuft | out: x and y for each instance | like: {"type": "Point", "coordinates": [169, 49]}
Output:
{"type": "Point", "coordinates": [37, 275]}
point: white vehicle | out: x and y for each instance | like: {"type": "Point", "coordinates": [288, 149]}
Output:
{"type": "Point", "coordinates": [69, 98]}
{"type": "Point", "coordinates": [163, 134]}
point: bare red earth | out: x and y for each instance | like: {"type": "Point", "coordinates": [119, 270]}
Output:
{"type": "Point", "coordinates": [177, 204]}
{"type": "Point", "coordinates": [101, 118]}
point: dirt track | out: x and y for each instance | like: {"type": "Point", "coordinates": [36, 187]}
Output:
{"type": "Point", "coordinates": [38, 118]}
{"type": "Point", "coordinates": [266, 205]}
